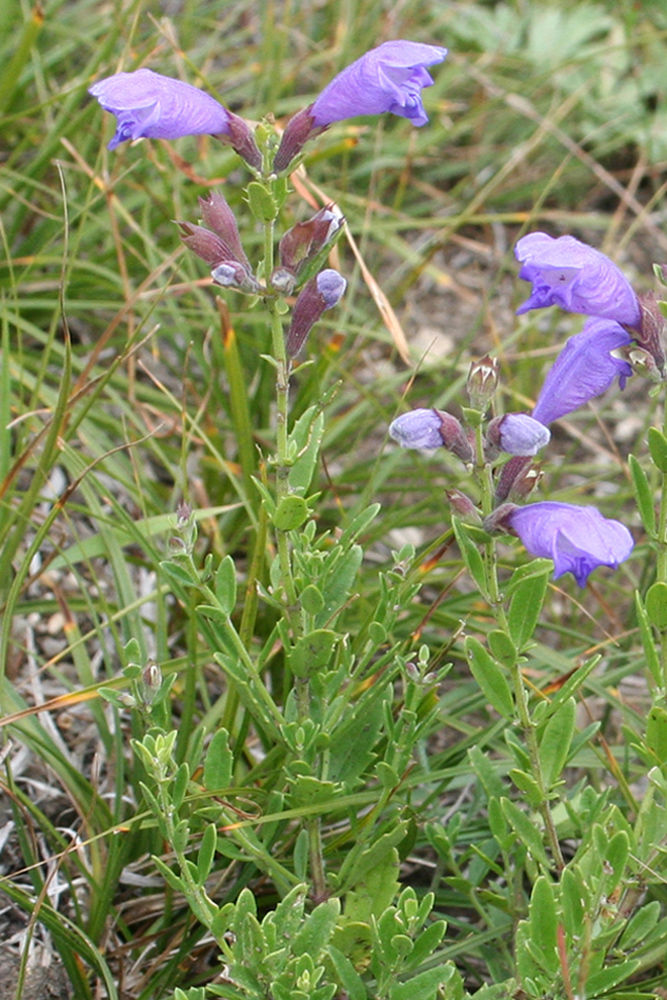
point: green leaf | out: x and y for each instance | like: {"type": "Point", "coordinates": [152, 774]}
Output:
{"type": "Point", "coordinates": [640, 925]}
{"type": "Point", "coordinates": [290, 513]}
{"type": "Point", "coordinates": [526, 831]}
{"type": "Point", "coordinates": [307, 436]}
{"type": "Point", "coordinates": [527, 784]}
{"type": "Point", "coordinates": [423, 986]}
{"type": "Point", "coordinates": [311, 599]}
{"type": "Point", "coordinates": [555, 742]}
{"type": "Point", "coordinates": [314, 936]}
{"type": "Point", "coordinates": [616, 855]}
{"type": "Point", "coordinates": [490, 677]}
{"type": "Point", "coordinates": [656, 732]}
{"type": "Point", "coordinates": [180, 785]}
{"type": "Point", "coordinates": [218, 762]}
{"type": "Point", "coordinates": [643, 495]}
{"type": "Point", "coordinates": [502, 647]}
{"type": "Point", "coordinates": [656, 605]}
{"type": "Point", "coordinates": [374, 893]}
{"type": "Point", "coordinates": [349, 978]}
{"type": "Point", "coordinates": [657, 445]}
{"type": "Point", "coordinates": [262, 203]}
{"type": "Point", "coordinates": [178, 573]}
{"type": "Point", "coordinates": [648, 642]}
{"type": "Point", "coordinates": [573, 896]}
{"type": "Point", "coordinates": [601, 982]}
{"type": "Point", "coordinates": [313, 652]}
{"type": "Point", "coordinates": [225, 585]}
{"type": "Point", "coordinates": [206, 853]}
{"type": "Point", "coordinates": [471, 555]}
{"type": "Point", "coordinates": [544, 921]}
{"type": "Point", "coordinates": [526, 605]}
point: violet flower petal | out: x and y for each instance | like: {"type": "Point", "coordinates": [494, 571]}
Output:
{"type": "Point", "coordinates": [149, 105]}
{"type": "Point", "coordinates": [420, 428]}
{"type": "Point", "coordinates": [521, 434]}
{"type": "Point", "coordinates": [576, 277]}
{"type": "Point", "coordinates": [388, 78]}
{"type": "Point", "coordinates": [578, 539]}
{"type": "Point", "coordinates": [585, 368]}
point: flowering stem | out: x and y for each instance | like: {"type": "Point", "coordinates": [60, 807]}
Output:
{"type": "Point", "coordinates": [485, 480]}
{"type": "Point", "coordinates": [292, 609]}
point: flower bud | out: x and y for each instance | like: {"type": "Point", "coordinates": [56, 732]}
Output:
{"type": "Point", "coordinates": [431, 428]}
{"type": "Point", "coordinates": [298, 131]}
{"type": "Point", "coordinates": [218, 216]}
{"type": "Point", "coordinates": [231, 274]}
{"type": "Point", "coordinates": [319, 294]}
{"type": "Point", "coordinates": [304, 243]}
{"type": "Point", "coordinates": [517, 479]}
{"type": "Point", "coordinates": [482, 382]}
{"type": "Point", "coordinates": [499, 519]}
{"type": "Point", "coordinates": [517, 434]}
{"type": "Point", "coordinates": [463, 506]}
{"type": "Point", "coordinates": [220, 245]}
{"type": "Point", "coordinates": [651, 333]}
{"type": "Point", "coordinates": [151, 681]}
{"type": "Point", "coordinates": [241, 137]}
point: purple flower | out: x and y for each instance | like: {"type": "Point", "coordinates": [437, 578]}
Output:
{"type": "Point", "coordinates": [322, 292]}
{"type": "Point", "coordinates": [576, 277]}
{"type": "Point", "coordinates": [151, 106]}
{"type": "Point", "coordinates": [585, 368]}
{"type": "Point", "coordinates": [518, 434]}
{"type": "Point", "coordinates": [388, 78]}
{"type": "Point", "coordinates": [578, 539]}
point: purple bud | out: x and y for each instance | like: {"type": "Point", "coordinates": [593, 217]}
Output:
{"type": "Point", "coordinates": [576, 277]}
{"type": "Point", "coordinates": [482, 382]}
{"type": "Point", "coordinates": [388, 78]}
{"type": "Point", "coordinates": [218, 216]}
{"type": "Point", "coordinates": [578, 539]}
{"type": "Point", "coordinates": [463, 506]}
{"type": "Point", "coordinates": [585, 368]}
{"type": "Point", "coordinates": [517, 479]}
{"type": "Point", "coordinates": [651, 334]}
{"type": "Point", "coordinates": [432, 428]}
{"type": "Point", "coordinates": [319, 294]}
{"type": "Point", "coordinates": [149, 105]}
{"type": "Point", "coordinates": [302, 244]}
{"type": "Point", "coordinates": [298, 131]}
{"type": "Point", "coordinates": [419, 428]}
{"type": "Point", "coordinates": [518, 434]}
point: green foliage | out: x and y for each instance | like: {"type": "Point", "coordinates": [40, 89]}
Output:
{"type": "Point", "coordinates": [357, 787]}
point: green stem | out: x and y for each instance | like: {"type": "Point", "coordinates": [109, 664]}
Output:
{"type": "Point", "coordinates": [485, 480]}
{"type": "Point", "coordinates": [661, 564]}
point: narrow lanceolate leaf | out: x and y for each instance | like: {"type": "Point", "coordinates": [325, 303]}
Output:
{"type": "Point", "coordinates": [657, 445]}
{"type": "Point", "coordinates": [490, 677]}
{"type": "Point", "coordinates": [526, 831]}
{"type": "Point", "coordinates": [643, 495]}
{"type": "Point", "coordinates": [525, 607]}
{"type": "Point", "coordinates": [544, 920]}
{"type": "Point", "coordinates": [556, 740]}
{"type": "Point", "coordinates": [471, 554]}
{"type": "Point", "coordinates": [656, 732]}
{"type": "Point", "coordinates": [648, 642]}
{"type": "Point", "coordinates": [225, 585]}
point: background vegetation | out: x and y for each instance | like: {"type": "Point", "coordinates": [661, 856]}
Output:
{"type": "Point", "coordinates": [128, 387]}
